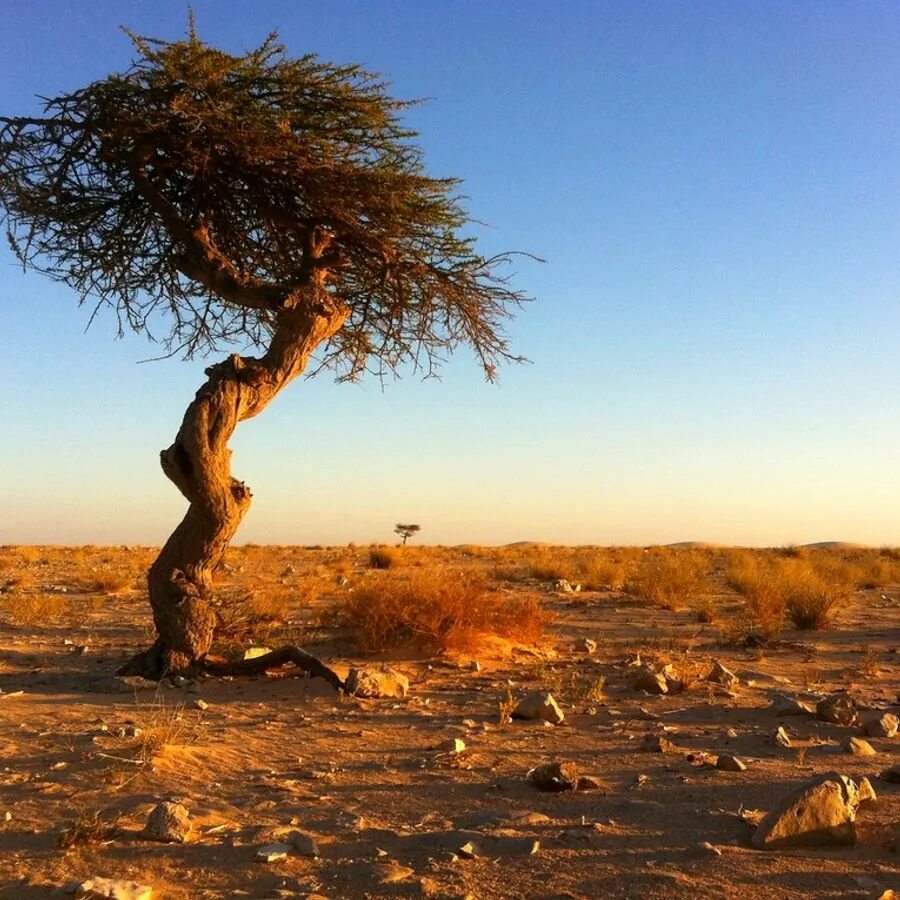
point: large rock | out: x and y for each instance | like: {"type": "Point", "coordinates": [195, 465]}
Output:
{"type": "Point", "coordinates": [820, 812]}
{"type": "Point", "coordinates": [729, 763]}
{"type": "Point", "coordinates": [109, 889]}
{"type": "Point", "coordinates": [377, 682]}
{"type": "Point", "coordinates": [883, 726]}
{"type": "Point", "coordinates": [858, 747]}
{"type": "Point", "coordinates": [839, 709]}
{"type": "Point", "coordinates": [554, 776]}
{"type": "Point", "coordinates": [719, 674]}
{"type": "Point", "coordinates": [656, 743]}
{"type": "Point", "coordinates": [785, 705]}
{"type": "Point", "coordinates": [539, 705]}
{"type": "Point", "coordinates": [650, 682]}
{"type": "Point", "coordinates": [170, 823]}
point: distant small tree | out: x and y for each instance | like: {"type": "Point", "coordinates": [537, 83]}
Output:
{"type": "Point", "coordinates": [406, 531]}
{"type": "Point", "coordinates": [274, 203]}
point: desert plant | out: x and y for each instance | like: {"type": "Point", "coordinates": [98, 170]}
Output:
{"type": "Point", "coordinates": [406, 531]}
{"type": "Point", "coordinates": [255, 200]}
{"type": "Point", "coordinates": [89, 828]}
{"type": "Point", "coordinates": [437, 609]}
{"type": "Point", "coordinates": [382, 558]}
{"type": "Point", "coordinates": [668, 578]}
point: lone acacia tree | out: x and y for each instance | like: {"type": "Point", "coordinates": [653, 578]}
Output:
{"type": "Point", "coordinates": [406, 531]}
{"type": "Point", "coordinates": [274, 203]}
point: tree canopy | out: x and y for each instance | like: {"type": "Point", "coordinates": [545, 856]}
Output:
{"type": "Point", "coordinates": [204, 190]}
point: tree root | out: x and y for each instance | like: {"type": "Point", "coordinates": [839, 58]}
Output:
{"type": "Point", "coordinates": [275, 659]}
{"type": "Point", "coordinates": [149, 664]}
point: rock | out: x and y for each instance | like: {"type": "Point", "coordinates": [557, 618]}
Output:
{"type": "Point", "coordinates": [554, 776]}
{"type": "Point", "coordinates": [866, 791]}
{"type": "Point", "coordinates": [884, 726]}
{"type": "Point", "coordinates": [586, 645]}
{"type": "Point", "coordinates": [780, 737]}
{"type": "Point", "coordinates": [858, 747]}
{"type": "Point", "coordinates": [891, 775]}
{"type": "Point", "coordinates": [784, 705]}
{"type": "Point", "coordinates": [651, 682]}
{"type": "Point", "coordinates": [377, 682]}
{"type": "Point", "coordinates": [820, 812]}
{"type": "Point", "coordinates": [655, 743]}
{"type": "Point", "coordinates": [453, 745]}
{"type": "Point", "coordinates": [530, 818]}
{"type": "Point", "coordinates": [110, 889]}
{"type": "Point", "coordinates": [256, 652]}
{"type": "Point", "coordinates": [707, 847]}
{"type": "Point", "coordinates": [839, 709]}
{"type": "Point", "coordinates": [539, 705]}
{"type": "Point", "coordinates": [304, 844]}
{"type": "Point", "coordinates": [469, 850]}
{"type": "Point", "coordinates": [562, 586]}
{"type": "Point", "coordinates": [392, 873]}
{"type": "Point", "coordinates": [720, 675]}
{"type": "Point", "coordinates": [201, 705]}
{"type": "Point", "coordinates": [474, 665]}
{"type": "Point", "coordinates": [170, 823]}
{"type": "Point", "coordinates": [589, 783]}
{"type": "Point", "coordinates": [729, 763]}
{"type": "Point", "coordinates": [273, 852]}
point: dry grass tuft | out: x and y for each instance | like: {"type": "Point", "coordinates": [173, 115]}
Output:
{"type": "Point", "coordinates": [89, 828]}
{"type": "Point", "coordinates": [669, 578]}
{"type": "Point", "coordinates": [27, 608]}
{"type": "Point", "coordinates": [438, 609]}
{"type": "Point", "coordinates": [382, 558]}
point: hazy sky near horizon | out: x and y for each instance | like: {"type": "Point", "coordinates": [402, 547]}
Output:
{"type": "Point", "coordinates": [714, 342]}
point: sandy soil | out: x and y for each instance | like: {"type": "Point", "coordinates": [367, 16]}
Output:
{"type": "Point", "coordinates": [371, 780]}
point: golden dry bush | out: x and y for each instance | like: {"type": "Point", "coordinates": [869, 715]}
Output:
{"type": "Point", "coordinates": [669, 578]}
{"type": "Point", "coordinates": [36, 608]}
{"type": "Point", "coordinates": [382, 558]}
{"type": "Point", "coordinates": [437, 609]}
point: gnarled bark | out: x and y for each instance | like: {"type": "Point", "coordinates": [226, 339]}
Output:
{"type": "Point", "coordinates": [198, 463]}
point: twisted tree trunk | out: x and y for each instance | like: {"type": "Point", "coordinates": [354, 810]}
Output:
{"type": "Point", "coordinates": [198, 463]}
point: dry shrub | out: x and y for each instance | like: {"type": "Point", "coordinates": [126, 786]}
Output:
{"type": "Point", "coordinates": [437, 609]}
{"type": "Point", "coordinates": [37, 608]}
{"type": "Point", "coordinates": [600, 570]}
{"type": "Point", "coordinates": [668, 578]}
{"type": "Point", "coordinates": [805, 588]}
{"type": "Point", "coordinates": [549, 565]}
{"type": "Point", "coordinates": [113, 582]}
{"type": "Point", "coordinates": [382, 558]}
{"type": "Point", "coordinates": [90, 827]}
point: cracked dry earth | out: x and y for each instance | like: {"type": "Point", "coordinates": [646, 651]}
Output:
{"type": "Point", "coordinates": [395, 812]}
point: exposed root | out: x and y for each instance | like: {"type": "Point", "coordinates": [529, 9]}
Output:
{"type": "Point", "coordinates": [274, 660]}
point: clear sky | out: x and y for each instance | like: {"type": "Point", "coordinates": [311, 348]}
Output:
{"type": "Point", "coordinates": [714, 342]}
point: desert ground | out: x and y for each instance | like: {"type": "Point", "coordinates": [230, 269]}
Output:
{"type": "Point", "coordinates": [429, 794]}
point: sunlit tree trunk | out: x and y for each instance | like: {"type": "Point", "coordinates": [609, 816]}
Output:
{"type": "Point", "coordinates": [199, 464]}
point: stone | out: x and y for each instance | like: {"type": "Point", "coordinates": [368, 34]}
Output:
{"type": "Point", "coordinates": [454, 745]}
{"type": "Point", "coordinates": [586, 645]}
{"type": "Point", "coordinates": [201, 705]}
{"type": "Point", "coordinates": [821, 812]}
{"type": "Point", "coordinates": [273, 852]}
{"type": "Point", "coordinates": [122, 684]}
{"type": "Point", "coordinates": [707, 847]}
{"type": "Point", "coordinates": [839, 709]}
{"type": "Point", "coordinates": [884, 726]}
{"type": "Point", "coordinates": [589, 783]}
{"type": "Point", "coordinates": [539, 705]}
{"type": "Point", "coordinates": [784, 705]}
{"type": "Point", "coordinates": [554, 776]}
{"type": "Point", "coordinates": [655, 743]}
{"type": "Point", "coordinates": [728, 763]}
{"type": "Point", "coordinates": [562, 586]}
{"type": "Point", "coordinates": [474, 665]}
{"type": "Point", "coordinates": [858, 747]}
{"type": "Point", "coordinates": [866, 791]}
{"type": "Point", "coordinates": [651, 682]}
{"type": "Point", "coordinates": [256, 652]}
{"type": "Point", "coordinates": [304, 844]}
{"type": "Point", "coordinates": [169, 822]}
{"type": "Point", "coordinates": [721, 675]}
{"type": "Point", "coordinates": [377, 682]}
{"type": "Point", "coordinates": [780, 737]}
{"type": "Point", "coordinates": [891, 775]}
{"type": "Point", "coordinates": [392, 873]}
{"type": "Point", "coordinates": [110, 889]}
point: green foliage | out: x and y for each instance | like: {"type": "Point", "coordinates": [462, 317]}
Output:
{"type": "Point", "coordinates": [210, 190]}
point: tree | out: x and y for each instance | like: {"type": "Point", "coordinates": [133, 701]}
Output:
{"type": "Point", "coordinates": [406, 531]}
{"type": "Point", "coordinates": [272, 202]}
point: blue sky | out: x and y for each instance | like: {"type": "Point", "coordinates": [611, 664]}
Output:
{"type": "Point", "coordinates": [714, 340]}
